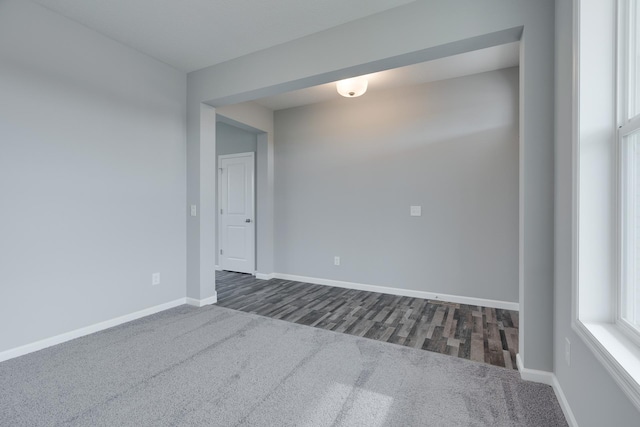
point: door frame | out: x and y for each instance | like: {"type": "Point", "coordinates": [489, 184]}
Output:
{"type": "Point", "coordinates": [253, 211]}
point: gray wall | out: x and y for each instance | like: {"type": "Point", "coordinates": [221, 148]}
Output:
{"type": "Point", "coordinates": [594, 397]}
{"type": "Point", "coordinates": [419, 31]}
{"type": "Point", "coordinates": [348, 170]}
{"type": "Point", "coordinates": [92, 177]}
{"type": "Point", "coordinates": [232, 140]}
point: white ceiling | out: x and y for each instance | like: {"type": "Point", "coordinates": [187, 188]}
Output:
{"type": "Point", "coordinates": [479, 61]}
{"type": "Point", "coordinates": [193, 34]}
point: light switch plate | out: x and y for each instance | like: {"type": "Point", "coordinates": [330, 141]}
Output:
{"type": "Point", "coordinates": [416, 210]}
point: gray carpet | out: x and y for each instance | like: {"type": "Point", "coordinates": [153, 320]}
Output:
{"type": "Point", "coordinates": [218, 367]}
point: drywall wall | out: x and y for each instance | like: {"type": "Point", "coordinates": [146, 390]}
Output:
{"type": "Point", "coordinates": [347, 172]}
{"type": "Point", "coordinates": [232, 140]}
{"type": "Point", "coordinates": [92, 177]}
{"type": "Point", "coordinates": [405, 35]}
{"type": "Point", "coordinates": [592, 394]}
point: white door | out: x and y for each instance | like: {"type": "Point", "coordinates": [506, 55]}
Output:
{"type": "Point", "coordinates": [237, 231]}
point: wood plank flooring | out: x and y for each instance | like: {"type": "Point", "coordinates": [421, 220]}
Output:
{"type": "Point", "coordinates": [476, 333]}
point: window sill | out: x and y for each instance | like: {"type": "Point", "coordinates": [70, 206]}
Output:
{"type": "Point", "coordinates": [619, 355]}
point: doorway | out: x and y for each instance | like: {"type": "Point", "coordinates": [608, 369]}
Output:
{"type": "Point", "coordinates": [236, 212]}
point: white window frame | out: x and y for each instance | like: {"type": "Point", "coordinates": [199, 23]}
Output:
{"type": "Point", "coordinates": [627, 129]}
{"type": "Point", "coordinates": [627, 126]}
{"type": "Point", "coordinates": [598, 219]}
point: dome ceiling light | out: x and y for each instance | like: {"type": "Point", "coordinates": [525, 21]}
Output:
{"type": "Point", "coordinates": [352, 88]}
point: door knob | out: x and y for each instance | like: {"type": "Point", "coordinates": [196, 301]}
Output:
{"type": "Point", "coordinates": [247, 220]}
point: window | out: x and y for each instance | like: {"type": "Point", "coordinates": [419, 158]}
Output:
{"type": "Point", "coordinates": [629, 62]}
{"type": "Point", "coordinates": [629, 166]}
{"type": "Point", "coordinates": [606, 294]}
{"type": "Point", "coordinates": [629, 304]}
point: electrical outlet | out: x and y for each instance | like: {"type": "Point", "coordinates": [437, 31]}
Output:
{"type": "Point", "coordinates": [194, 210]}
{"type": "Point", "coordinates": [155, 279]}
{"type": "Point", "coordinates": [336, 260]}
{"type": "Point", "coordinates": [567, 351]}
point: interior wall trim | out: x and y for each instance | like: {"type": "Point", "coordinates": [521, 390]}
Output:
{"type": "Point", "coordinates": [548, 378]}
{"type": "Point", "coordinates": [97, 327]}
{"type": "Point", "coordinates": [77, 333]}
{"type": "Point", "coordinates": [506, 305]}
{"type": "Point", "coordinates": [202, 302]}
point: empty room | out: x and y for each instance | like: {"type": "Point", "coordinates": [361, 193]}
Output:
{"type": "Point", "coordinates": [349, 213]}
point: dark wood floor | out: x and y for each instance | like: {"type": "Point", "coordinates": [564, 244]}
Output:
{"type": "Point", "coordinates": [482, 334]}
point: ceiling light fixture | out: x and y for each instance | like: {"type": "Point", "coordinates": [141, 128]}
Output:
{"type": "Point", "coordinates": [351, 88]}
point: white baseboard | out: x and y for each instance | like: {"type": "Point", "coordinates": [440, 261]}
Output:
{"type": "Point", "coordinates": [263, 276]}
{"type": "Point", "coordinates": [68, 336]}
{"type": "Point", "coordinates": [402, 292]}
{"type": "Point", "coordinates": [534, 375]}
{"type": "Point", "coordinates": [548, 378]}
{"type": "Point", "coordinates": [564, 403]}
{"type": "Point", "coordinates": [218, 268]}
{"type": "Point", "coordinates": [202, 302]}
